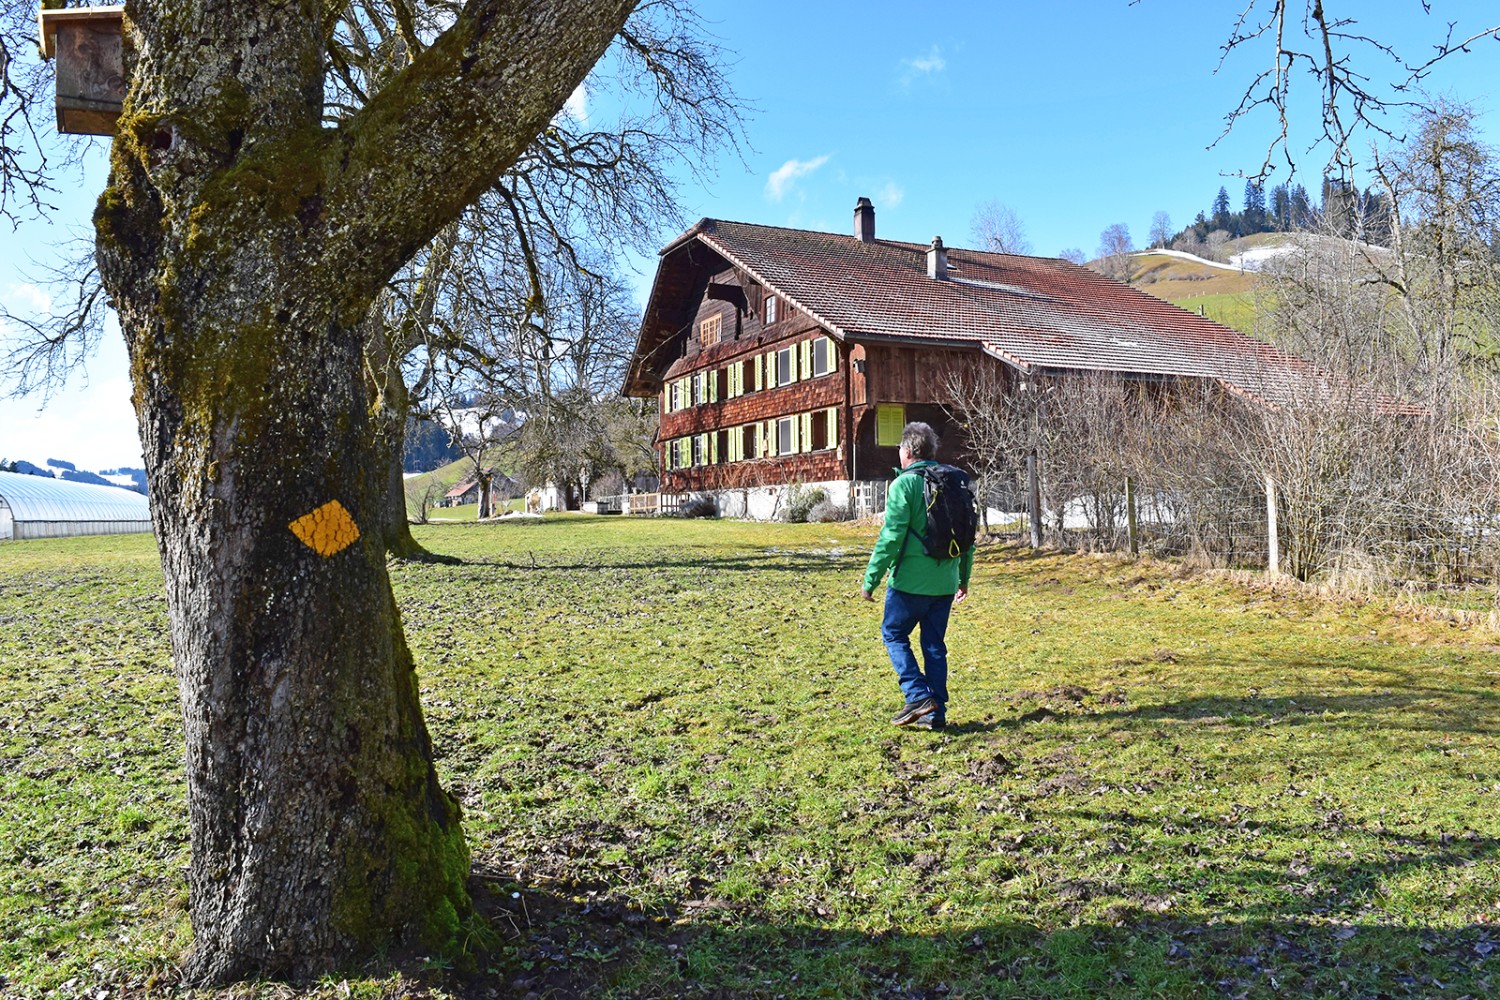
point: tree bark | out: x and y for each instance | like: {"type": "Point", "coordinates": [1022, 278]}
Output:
{"type": "Point", "coordinates": [242, 244]}
{"type": "Point", "coordinates": [390, 405]}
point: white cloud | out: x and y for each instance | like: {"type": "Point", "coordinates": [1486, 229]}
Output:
{"type": "Point", "coordinates": [785, 176]}
{"type": "Point", "coordinates": [890, 195]}
{"type": "Point", "coordinates": [577, 104]}
{"type": "Point", "coordinates": [27, 297]}
{"type": "Point", "coordinates": [922, 66]}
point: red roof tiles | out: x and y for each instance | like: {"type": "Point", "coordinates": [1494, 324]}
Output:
{"type": "Point", "coordinates": [1033, 312]}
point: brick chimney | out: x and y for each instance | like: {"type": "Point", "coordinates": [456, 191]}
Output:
{"type": "Point", "coordinates": [937, 260]}
{"type": "Point", "coordinates": [864, 221]}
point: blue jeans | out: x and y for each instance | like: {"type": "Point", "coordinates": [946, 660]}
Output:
{"type": "Point", "coordinates": [929, 612]}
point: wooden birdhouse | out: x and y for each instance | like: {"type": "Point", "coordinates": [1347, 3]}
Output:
{"type": "Point", "coordinates": [90, 66]}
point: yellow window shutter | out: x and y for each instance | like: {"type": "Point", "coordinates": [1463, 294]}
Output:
{"type": "Point", "coordinates": [756, 362]}
{"type": "Point", "coordinates": [713, 385]}
{"type": "Point", "coordinates": [806, 432]}
{"type": "Point", "coordinates": [713, 448]}
{"type": "Point", "coordinates": [833, 427]}
{"type": "Point", "coordinates": [805, 350]}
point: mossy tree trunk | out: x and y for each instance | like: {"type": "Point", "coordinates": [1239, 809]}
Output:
{"type": "Point", "coordinates": [242, 244]}
{"type": "Point", "coordinates": [390, 405]}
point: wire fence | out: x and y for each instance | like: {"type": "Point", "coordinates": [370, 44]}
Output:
{"type": "Point", "coordinates": [1427, 558]}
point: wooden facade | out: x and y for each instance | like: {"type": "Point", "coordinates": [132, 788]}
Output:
{"type": "Point", "coordinates": [789, 356]}
{"type": "Point", "coordinates": [761, 394]}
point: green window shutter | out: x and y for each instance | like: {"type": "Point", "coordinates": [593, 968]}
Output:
{"type": "Point", "coordinates": [807, 437]}
{"type": "Point", "coordinates": [756, 362]}
{"type": "Point", "coordinates": [713, 385]}
{"type": "Point", "coordinates": [713, 448]}
{"type": "Point", "coordinates": [805, 349]}
{"type": "Point", "coordinates": [760, 441]}
{"type": "Point", "coordinates": [833, 357]}
{"type": "Point", "coordinates": [890, 420]}
{"type": "Point", "coordinates": [833, 427]}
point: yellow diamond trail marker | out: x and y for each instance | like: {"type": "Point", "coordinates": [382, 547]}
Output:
{"type": "Point", "coordinates": [328, 530]}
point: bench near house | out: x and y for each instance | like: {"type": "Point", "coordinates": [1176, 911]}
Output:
{"type": "Point", "coordinates": [785, 356]}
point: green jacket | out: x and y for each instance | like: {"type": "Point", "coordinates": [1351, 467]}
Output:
{"type": "Point", "coordinates": [918, 573]}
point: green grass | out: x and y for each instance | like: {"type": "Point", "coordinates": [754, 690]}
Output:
{"type": "Point", "coordinates": [671, 741]}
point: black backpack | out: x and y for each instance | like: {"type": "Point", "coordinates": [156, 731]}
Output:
{"type": "Point", "coordinates": [952, 512]}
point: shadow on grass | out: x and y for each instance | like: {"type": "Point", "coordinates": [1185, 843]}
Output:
{"type": "Point", "coordinates": [600, 561]}
{"type": "Point", "coordinates": [1451, 707]}
{"type": "Point", "coordinates": [577, 944]}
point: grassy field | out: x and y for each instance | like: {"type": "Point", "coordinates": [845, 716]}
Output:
{"type": "Point", "coordinates": [672, 744]}
{"type": "Point", "coordinates": [1226, 297]}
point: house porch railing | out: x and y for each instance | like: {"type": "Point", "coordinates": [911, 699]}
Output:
{"type": "Point", "coordinates": [640, 504]}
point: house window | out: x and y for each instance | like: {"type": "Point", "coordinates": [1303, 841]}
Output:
{"type": "Point", "coordinates": [824, 430]}
{"type": "Point", "coordinates": [786, 366]}
{"type": "Point", "coordinates": [700, 449]}
{"type": "Point", "coordinates": [822, 357]}
{"type": "Point", "coordinates": [771, 309]}
{"type": "Point", "coordinates": [710, 329]}
{"type": "Point", "coordinates": [889, 422]}
{"type": "Point", "coordinates": [786, 435]}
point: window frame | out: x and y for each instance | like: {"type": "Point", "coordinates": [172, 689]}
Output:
{"type": "Point", "coordinates": [790, 355]}
{"type": "Point", "coordinates": [714, 323]}
{"type": "Point", "coordinates": [830, 358]}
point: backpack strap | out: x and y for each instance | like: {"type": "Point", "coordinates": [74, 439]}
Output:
{"type": "Point", "coordinates": [901, 552]}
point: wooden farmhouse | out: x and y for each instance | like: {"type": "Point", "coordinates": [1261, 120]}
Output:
{"type": "Point", "coordinates": [784, 356]}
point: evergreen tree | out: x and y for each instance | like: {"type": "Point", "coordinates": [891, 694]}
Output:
{"type": "Point", "coordinates": [1221, 216]}
{"type": "Point", "coordinates": [1281, 208]}
{"type": "Point", "coordinates": [1301, 208]}
{"type": "Point", "coordinates": [1375, 217]}
{"type": "Point", "coordinates": [1254, 217]}
{"type": "Point", "coordinates": [1339, 206]}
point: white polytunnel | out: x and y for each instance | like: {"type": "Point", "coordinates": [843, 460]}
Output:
{"type": "Point", "coordinates": [40, 507]}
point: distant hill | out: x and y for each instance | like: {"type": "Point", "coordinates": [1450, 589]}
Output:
{"type": "Point", "coordinates": [123, 478]}
{"type": "Point", "coordinates": [1224, 291]}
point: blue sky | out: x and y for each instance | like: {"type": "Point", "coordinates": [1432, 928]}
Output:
{"type": "Point", "coordinates": [1075, 115]}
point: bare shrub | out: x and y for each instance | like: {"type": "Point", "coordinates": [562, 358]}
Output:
{"type": "Point", "coordinates": [699, 505]}
{"type": "Point", "coordinates": [826, 512]}
{"type": "Point", "coordinates": [801, 500]}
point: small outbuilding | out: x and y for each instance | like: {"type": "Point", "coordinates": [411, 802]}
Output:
{"type": "Point", "coordinates": [41, 507]}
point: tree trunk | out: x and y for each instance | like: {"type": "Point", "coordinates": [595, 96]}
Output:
{"type": "Point", "coordinates": [389, 406]}
{"type": "Point", "coordinates": [242, 244]}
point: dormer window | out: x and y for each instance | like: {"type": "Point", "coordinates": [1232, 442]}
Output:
{"type": "Point", "coordinates": [771, 309]}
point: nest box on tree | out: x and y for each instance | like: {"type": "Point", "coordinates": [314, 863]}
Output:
{"type": "Point", "coordinates": [90, 66]}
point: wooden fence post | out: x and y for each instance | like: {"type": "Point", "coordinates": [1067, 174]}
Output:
{"type": "Point", "coordinates": [1034, 500]}
{"type": "Point", "coordinates": [1273, 540]}
{"type": "Point", "coordinates": [1130, 521]}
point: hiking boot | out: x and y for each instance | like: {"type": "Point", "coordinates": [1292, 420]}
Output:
{"type": "Point", "coordinates": [934, 722]}
{"type": "Point", "coordinates": [914, 710]}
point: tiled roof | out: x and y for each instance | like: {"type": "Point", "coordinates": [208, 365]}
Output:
{"type": "Point", "coordinates": [1034, 312]}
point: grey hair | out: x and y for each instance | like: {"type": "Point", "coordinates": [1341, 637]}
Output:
{"type": "Point", "coordinates": [920, 440]}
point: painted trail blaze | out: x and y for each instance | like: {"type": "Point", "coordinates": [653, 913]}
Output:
{"type": "Point", "coordinates": [328, 530]}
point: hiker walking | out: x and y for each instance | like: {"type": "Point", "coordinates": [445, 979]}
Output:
{"type": "Point", "coordinates": [927, 543]}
